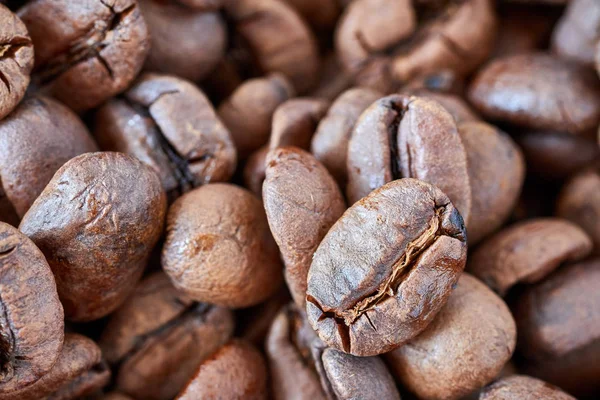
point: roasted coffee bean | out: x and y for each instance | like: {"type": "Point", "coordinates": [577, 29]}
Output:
{"type": "Point", "coordinates": [456, 106]}
{"type": "Point", "coordinates": [521, 387]}
{"type": "Point", "coordinates": [302, 201]}
{"type": "Point", "coordinates": [579, 202]}
{"type": "Point", "coordinates": [496, 174]}
{"type": "Point", "coordinates": [35, 141]}
{"type": "Point", "coordinates": [386, 43]}
{"type": "Point", "coordinates": [321, 14]}
{"type": "Point", "coordinates": [79, 371]}
{"type": "Point", "coordinates": [16, 60]}
{"type": "Point", "coordinates": [96, 222]}
{"type": "Point", "coordinates": [236, 371]}
{"type": "Point", "coordinates": [248, 111]}
{"type": "Point", "coordinates": [86, 51]}
{"type": "Point", "coordinates": [527, 252]}
{"type": "Point", "coordinates": [333, 80]}
{"type": "Point", "coordinates": [558, 322]}
{"type": "Point", "coordinates": [206, 5]}
{"type": "Point", "coordinates": [556, 155]}
{"type": "Point", "coordinates": [408, 137]}
{"type": "Point", "coordinates": [302, 367]}
{"type": "Point", "coordinates": [463, 349]}
{"type": "Point", "coordinates": [578, 31]}
{"type": "Point", "coordinates": [279, 39]}
{"type": "Point", "coordinates": [254, 171]}
{"type": "Point", "coordinates": [158, 338]}
{"type": "Point", "coordinates": [538, 91]}
{"type": "Point", "coordinates": [190, 51]}
{"type": "Point", "coordinates": [330, 142]}
{"type": "Point", "coordinates": [219, 248]}
{"type": "Point", "coordinates": [386, 268]}
{"type": "Point", "coordinates": [32, 319]}
{"type": "Point", "coordinates": [170, 125]}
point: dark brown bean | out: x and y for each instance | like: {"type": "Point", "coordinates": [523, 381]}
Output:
{"type": "Point", "coordinates": [219, 248]}
{"type": "Point", "coordinates": [386, 268]}
{"type": "Point", "coordinates": [279, 39]}
{"type": "Point", "coordinates": [158, 338]}
{"type": "Point", "coordinates": [255, 169]}
{"type": "Point", "coordinates": [558, 322]}
{"type": "Point", "coordinates": [463, 349]}
{"type": "Point", "coordinates": [496, 174]}
{"type": "Point", "coordinates": [295, 122]}
{"type": "Point", "coordinates": [79, 371]}
{"type": "Point", "coordinates": [527, 252]}
{"type": "Point", "coordinates": [31, 319]}
{"type": "Point", "coordinates": [330, 142]}
{"type": "Point", "coordinates": [96, 222]}
{"type": "Point", "coordinates": [86, 51]}
{"type": "Point", "coordinates": [16, 60]}
{"type": "Point", "coordinates": [538, 91]}
{"type": "Point", "coordinates": [579, 202]}
{"type": "Point", "coordinates": [408, 137]}
{"type": "Point", "coordinates": [192, 50]}
{"type": "Point", "coordinates": [521, 387]}
{"type": "Point", "coordinates": [302, 202]}
{"type": "Point", "coordinates": [237, 372]}
{"type": "Point", "coordinates": [248, 111]}
{"type": "Point", "coordinates": [170, 125]}
{"type": "Point", "coordinates": [35, 141]}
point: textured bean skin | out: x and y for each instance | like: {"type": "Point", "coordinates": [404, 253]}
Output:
{"type": "Point", "coordinates": [158, 337]}
{"type": "Point", "coordinates": [96, 222]}
{"type": "Point", "coordinates": [79, 371]}
{"type": "Point", "coordinates": [558, 322]}
{"type": "Point", "coordinates": [86, 51]}
{"type": "Point", "coordinates": [32, 318]}
{"type": "Point", "coordinates": [35, 141]}
{"type": "Point", "coordinates": [408, 137]}
{"type": "Point", "coordinates": [236, 371]}
{"type": "Point", "coordinates": [538, 91]}
{"type": "Point", "coordinates": [521, 387]}
{"type": "Point", "coordinates": [527, 252]}
{"type": "Point", "coordinates": [463, 349]}
{"type": "Point", "coordinates": [16, 60]}
{"type": "Point", "coordinates": [496, 174]}
{"type": "Point", "coordinates": [302, 201]}
{"type": "Point", "coordinates": [219, 248]}
{"type": "Point", "coordinates": [403, 241]}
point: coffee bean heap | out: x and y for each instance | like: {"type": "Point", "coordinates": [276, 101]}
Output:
{"type": "Point", "coordinates": [299, 199]}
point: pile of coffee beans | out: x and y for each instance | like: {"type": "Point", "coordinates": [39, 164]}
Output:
{"type": "Point", "coordinates": [299, 199]}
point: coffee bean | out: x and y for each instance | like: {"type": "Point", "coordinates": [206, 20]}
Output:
{"type": "Point", "coordinates": [557, 155]}
{"type": "Point", "coordinates": [31, 322]}
{"type": "Point", "coordinates": [96, 222]}
{"type": "Point", "coordinates": [219, 248]}
{"type": "Point", "coordinates": [236, 371]}
{"type": "Point", "coordinates": [79, 371]}
{"type": "Point", "coordinates": [295, 122]}
{"type": "Point", "coordinates": [255, 170]}
{"type": "Point", "coordinates": [579, 202]}
{"type": "Point", "coordinates": [16, 60]}
{"type": "Point", "coordinates": [158, 338]}
{"type": "Point", "coordinates": [35, 141]}
{"type": "Point", "coordinates": [170, 125]}
{"type": "Point", "coordinates": [559, 328]}
{"type": "Point", "coordinates": [279, 39]}
{"type": "Point", "coordinates": [302, 201]}
{"type": "Point", "coordinates": [192, 50]}
{"type": "Point", "coordinates": [538, 91]}
{"type": "Point", "coordinates": [116, 396]}
{"type": "Point", "coordinates": [578, 31]}
{"type": "Point", "coordinates": [86, 51]}
{"type": "Point", "coordinates": [321, 14]}
{"type": "Point", "coordinates": [527, 252]}
{"type": "Point", "coordinates": [496, 174]}
{"type": "Point", "coordinates": [523, 387]}
{"type": "Point", "coordinates": [205, 5]}
{"type": "Point", "coordinates": [408, 137]}
{"type": "Point", "coordinates": [303, 367]}
{"type": "Point", "coordinates": [386, 268]}
{"type": "Point", "coordinates": [330, 142]}
{"type": "Point", "coordinates": [456, 106]}
{"type": "Point", "coordinates": [463, 349]}
{"type": "Point", "coordinates": [248, 111]}
{"type": "Point", "coordinates": [384, 49]}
